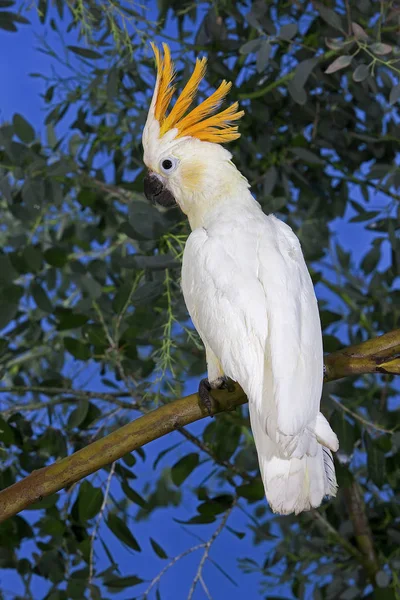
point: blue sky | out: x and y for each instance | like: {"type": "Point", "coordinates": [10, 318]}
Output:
{"type": "Point", "coordinates": [21, 93]}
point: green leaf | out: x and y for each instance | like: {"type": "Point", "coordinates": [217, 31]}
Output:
{"type": "Point", "coordinates": [6, 433]}
{"type": "Point", "coordinates": [122, 296]}
{"type": "Point", "coordinates": [122, 532]}
{"type": "Point", "coordinates": [307, 156]}
{"type": "Point", "coordinates": [7, 271]}
{"type": "Point", "coordinates": [41, 298]}
{"type": "Point", "coordinates": [215, 506]}
{"type": "Point", "coordinates": [329, 16]}
{"type": "Point", "coordinates": [371, 260]}
{"type": "Point", "coordinates": [7, 312]}
{"type": "Point", "coordinates": [303, 71]}
{"type": "Point", "coordinates": [361, 73]}
{"type": "Point", "coordinates": [145, 220]}
{"type": "Point", "coordinates": [85, 52]}
{"type": "Point", "coordinates": [345, 431]}
{"type": "Point", "coordinates": [182, 469]}
{"type": "Point", "coordinates": [263, 57]}
{"type": "Point", "coordinates": [339, 63]}
{"type": "Point", "coordinates": [197, 520]}
{"type": "Point", "coordinates": [23, 129]}
{"type": "Point", "coordinates": [359, 32]}
{"type": "Point", "coordinates": [133, 495]}
{"type": "Point", "coordinates": [79, 414]}
{"type": "Point", "coordinates": [56, 257]}
{"type": "Point", "coordinates": [328, 317]}
{"type": "Point", "coordinates": [147, 292]}
{"type": "Point", "coordinates": [114, 583]}
{"type": "Point", "coordinates": [394, 94]}
{"type": "Point", "coordinates": [78, 349]}
{"type": "Point", "coordinates": [297, 93]}
{"type": "Point", "coordinates": [67, 319]}
{"type": "Point", "coordinates": [90, 500]}
{"type": "Point", "coordinates": [288, 31]}
{"type": "Point", "coordinates": [251, 46]}
{"type": "Point", "coordinates": [158, 549]}
{"type": "Point", "coordinates": [238, 534]}
{"type": "Point", "coordinates": [381, 49]}
{"type": "Point", "coordinates": [33, 258]}
{"type": "Point", "coordinates": [253, 491]}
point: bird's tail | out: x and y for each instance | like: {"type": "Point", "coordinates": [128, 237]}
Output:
{"type": "Point", "coordinates": [295, 484]}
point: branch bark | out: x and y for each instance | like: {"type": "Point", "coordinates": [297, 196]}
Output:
{"type": "Point", "coordinates": [379, 355]}
{"type": "Point", "coordinates": [362, 531]}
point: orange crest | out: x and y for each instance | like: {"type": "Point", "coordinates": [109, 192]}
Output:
{"type": "Point", "coordinates": [203, 122]}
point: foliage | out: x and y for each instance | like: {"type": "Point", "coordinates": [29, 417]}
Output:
{"type": "Point", "coordinates": [94, 330]}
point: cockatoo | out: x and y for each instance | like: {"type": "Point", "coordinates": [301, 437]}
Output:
{"type": "Point", "coordinates": [246, 287]}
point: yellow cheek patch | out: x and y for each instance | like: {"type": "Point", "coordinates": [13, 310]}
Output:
{"type": "Point", "coordinates": [192, 175]}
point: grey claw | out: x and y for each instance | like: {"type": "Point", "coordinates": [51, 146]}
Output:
{"type": "Point", "coordinates": [205, 396]}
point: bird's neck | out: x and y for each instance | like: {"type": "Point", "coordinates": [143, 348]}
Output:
{"type": "Point", "coordinates": [226, 194]}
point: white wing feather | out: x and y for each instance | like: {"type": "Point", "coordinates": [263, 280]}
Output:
{"type": "Point", "coordinates": [251, 298]}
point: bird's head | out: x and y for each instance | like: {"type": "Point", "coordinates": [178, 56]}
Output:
{"type": "Point", "coordinates": [186, 163]}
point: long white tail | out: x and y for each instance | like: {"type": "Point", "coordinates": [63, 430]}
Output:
{"type": "Point", "coordinates": [295, 484]}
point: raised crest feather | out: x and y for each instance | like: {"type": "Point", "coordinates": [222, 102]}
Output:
{"type": "Point", "coordinates": [202, 122]}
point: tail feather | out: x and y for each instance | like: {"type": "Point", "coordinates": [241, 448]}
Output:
{"type": "Point", "coordinates": [298, 483]}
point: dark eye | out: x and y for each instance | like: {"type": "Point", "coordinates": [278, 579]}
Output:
{"type": "Point", "coordinates": [167, 164]}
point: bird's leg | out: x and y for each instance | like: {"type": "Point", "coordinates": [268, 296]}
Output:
{"type": "Point", "coordinates": [205, 387]}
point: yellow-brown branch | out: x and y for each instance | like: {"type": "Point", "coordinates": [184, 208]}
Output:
{"type": "Point", "coordinates": [379, 355]}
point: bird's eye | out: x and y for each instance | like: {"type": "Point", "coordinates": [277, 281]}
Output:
{"type": "Point", "coordinates": [168, 165]}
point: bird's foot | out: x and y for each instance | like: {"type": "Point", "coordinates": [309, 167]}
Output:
{"type": "Point", "coordinates": [205, 387]}
{"type": "Point", "coordinates": [204, 395]}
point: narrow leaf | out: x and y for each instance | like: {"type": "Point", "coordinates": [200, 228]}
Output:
{"type": "Point", "coordinates": [394, 94]}
{"type": "Point", "coordinates": [359, 32]}
{"type": "Point", "coordinates": [84, 52]}
{"type": "Point", "coordinates": [381, 49]}
{"type": "Point", "coordinates": [182, 469]}
{"type": "Point", "coordinates": [158, 549]}
{"type": "Point", "coordinates": [122, 532]}
{"type": "Point", "coordinates": [361, 73]}
{"type": "Point", "coordinates": [23, 129]}
{"type": "Point", "coordinates": [339, 63]}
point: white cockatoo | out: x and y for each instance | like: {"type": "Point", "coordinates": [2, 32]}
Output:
{"type": "Point", "coordinates": [246, 287]}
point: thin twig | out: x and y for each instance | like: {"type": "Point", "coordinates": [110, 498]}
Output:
{"type": "Point", "coordinates": [116, 354]}
{"type": "Point", "coordinates": [207, 548]}
{"type": "Point", "coordinates": [205, 588]}
{"type": "Point", "coordinates": [97, 524]}
{"type": "Point", "coordinates": [169, 565]}
{"type": "Point", "coordinates": [363, 421]}
{"type": "Point", "coordinates": [350, 549]}
{"type": "Point", "coordinates": [112, 397]}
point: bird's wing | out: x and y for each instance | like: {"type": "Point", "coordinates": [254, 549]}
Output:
{"type": "Point", "coordinates": [252, 301]}
{"type": "Point", "coordinates": [227, 304]}
{"type": "Point", "coordinates": [294, 336]}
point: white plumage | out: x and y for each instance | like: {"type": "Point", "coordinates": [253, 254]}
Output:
{"type": "Point", "coordinates": [251, 298]}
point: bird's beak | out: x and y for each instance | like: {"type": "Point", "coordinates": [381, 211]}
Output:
{"type": "Point", "coordinates": [156, 192]}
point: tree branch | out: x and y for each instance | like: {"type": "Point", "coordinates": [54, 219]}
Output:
{"type": "Point", "coordinates": [362, 531]}
{"type": "Point", "coordinates": [379, 355]}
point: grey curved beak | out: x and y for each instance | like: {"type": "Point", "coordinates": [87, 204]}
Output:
{"type": "Point", "coordinates": [156, 192]}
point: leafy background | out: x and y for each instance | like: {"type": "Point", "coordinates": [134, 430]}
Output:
{"type": "Point", "coordinates": [94, 331]}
